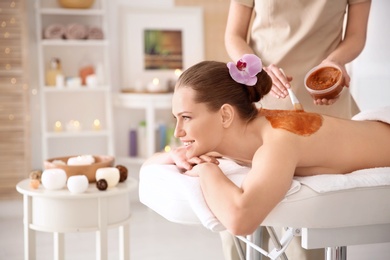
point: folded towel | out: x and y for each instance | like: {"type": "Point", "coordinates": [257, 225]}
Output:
{"type": "Point", "coordinates": [75, 31]}
{"type": "Point", "coordinates": [379, 114]}
{"type": "Point", "coordinates": [95, 33]}
{"type": "Point", "coordinates": [54, 31]}
{"type": "Point", "coordinates": [357, 179]}
{"type": "Point", "coordinates": [188, 188]}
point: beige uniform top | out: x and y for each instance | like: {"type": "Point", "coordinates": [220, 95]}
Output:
{"type": "Point", "coordinates": [296, 36]}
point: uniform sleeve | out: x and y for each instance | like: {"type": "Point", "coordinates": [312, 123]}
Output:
{"type": "Point", "coordinates": [248, 3]}
{"type": "Point", "coordinates": [351, 2]}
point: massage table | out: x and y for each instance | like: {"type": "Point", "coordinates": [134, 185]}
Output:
{"type": "Point", "coordinates": [327, 211]}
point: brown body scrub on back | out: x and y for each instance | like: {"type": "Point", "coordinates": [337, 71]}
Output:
{"type": "Point", "coordinates": [297, 122]}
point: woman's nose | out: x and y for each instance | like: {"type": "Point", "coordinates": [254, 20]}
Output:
{"type": "Point", "coordinates": [179, 132]}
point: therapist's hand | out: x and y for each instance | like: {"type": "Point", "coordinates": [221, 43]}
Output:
{"type": "Point", "coordinates": [347, 79]}
{"type": "Point", "coordinates": [280, 83]}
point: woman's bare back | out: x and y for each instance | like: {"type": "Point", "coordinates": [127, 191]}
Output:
{"type": "Point", "coordinates": [343, 146]}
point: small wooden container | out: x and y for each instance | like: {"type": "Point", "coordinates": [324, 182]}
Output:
{"type": "Point", "coordinates": [76, 4]}
{"type": "Point", "coordinates": [101, 161]}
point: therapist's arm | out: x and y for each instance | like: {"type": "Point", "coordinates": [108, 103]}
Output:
{"type": "Point", "coordinates": [236, 32]}
{"type": "Point", "coordinates": [354, 38]}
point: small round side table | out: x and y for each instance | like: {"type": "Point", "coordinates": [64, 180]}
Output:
{"type": "Point", "coordinates": [60, 211]}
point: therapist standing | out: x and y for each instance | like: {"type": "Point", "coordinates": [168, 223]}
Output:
{"type": "Point", "coordinates": [297, 35]}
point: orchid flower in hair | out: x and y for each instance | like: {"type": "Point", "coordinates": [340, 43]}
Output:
{"type": "Point", "coordinates": [246, 69]}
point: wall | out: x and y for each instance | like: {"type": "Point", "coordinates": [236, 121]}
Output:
{"type": "Point", "coordinates": [370, 83]}
{"type": "Point", "coordinates": [215, 17]}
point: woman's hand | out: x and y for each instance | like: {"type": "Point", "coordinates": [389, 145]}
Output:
{"type": "Point", "coordinates": [280, 82]}
{"type": "Point", "coordinates": [179, 158]}
{"type": "Point", "coordinates": [203, 167]}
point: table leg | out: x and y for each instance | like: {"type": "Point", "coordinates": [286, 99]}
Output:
{"type": "Point", "coordinates": [58, 239]}
{"type": "Point", "coordinates": [29, 234]}
{"type": "Point", "coordinates": [124, 234]}
{"type": "Point", "coordinates": [101, 234]}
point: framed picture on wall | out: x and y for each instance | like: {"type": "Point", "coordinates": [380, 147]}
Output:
{"type": "Point", "coordinates": [156, 43]}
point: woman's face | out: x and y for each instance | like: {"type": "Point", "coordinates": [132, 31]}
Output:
{"type": "Point", "coordinates": [198, 129]}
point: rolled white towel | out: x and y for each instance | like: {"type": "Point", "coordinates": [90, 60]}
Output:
{"type": "Point", "coordinates": [95, 33]}
{"type": "Point", "coordinates": [75, 31]}
{"type": "Point", "coordinates": [54, 31]}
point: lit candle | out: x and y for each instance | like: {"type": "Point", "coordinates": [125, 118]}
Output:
{"type": "Point", "coordinates": [73, 125]}
{"type": "Point", "coordinates": [57, 126]}
{"type": "Point", "coordinates": [178, 73]}
{"type": "Point", "coordinates": [96, 124]}
{"type": "Point", "coordinates": [154, 86]}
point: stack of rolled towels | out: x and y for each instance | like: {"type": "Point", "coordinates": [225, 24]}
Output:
{"type": "Point", "coordinates": [73, 31]}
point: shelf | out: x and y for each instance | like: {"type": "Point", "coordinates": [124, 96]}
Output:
{"type": "Point", "coordinates": [129, 160]}
{"type": "Point", "coordinates": [149, 101]}
{"type": "Point", "coordinates": [85, 103]}
{"type": "Point", "coordinates": [65, 11]}
{"type": "Point", "coordinates": [74, 43]}
{"type": "Point", "coordinates": [53, 89]}
{"type": "Point", "coordinates": [82, 133]}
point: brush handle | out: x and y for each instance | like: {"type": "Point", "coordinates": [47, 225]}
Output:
{"type": "Point", "coordinates": [294, 100]}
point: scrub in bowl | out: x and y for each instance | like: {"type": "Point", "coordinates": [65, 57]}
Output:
{"type": "Point", "coordinates": [324, 82]}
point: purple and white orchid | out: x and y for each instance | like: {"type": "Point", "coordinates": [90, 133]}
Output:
{"type": "Point", "coordinates": [246, 69]}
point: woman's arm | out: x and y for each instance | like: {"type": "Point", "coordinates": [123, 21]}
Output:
{"type": "Point", "coordinates": [241, 210]}
{"type": "Point", "coordinates": [178, 157]}
{"type": "Point", "coordinates": [236, 32]}
{"type": "Point", "coordinates": [352, 44]}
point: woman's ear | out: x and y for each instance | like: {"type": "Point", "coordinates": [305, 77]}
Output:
{"type": "Point", "coordinates": [227, 115]}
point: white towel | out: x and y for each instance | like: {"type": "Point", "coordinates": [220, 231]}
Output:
{"type": "Point", "coordinates": [189, 188]}
{"type": "Point", "coordinates": [379, 114]}
{"type": "Point", "coordinates": [357, 179]}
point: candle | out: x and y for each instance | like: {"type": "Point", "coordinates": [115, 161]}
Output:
{"type": "Point", "coordinates": [110, 174]}
{"type": "Point", "coordinates": [167, 148]}
{"type": "Point", "coordinates": [177, 73]}
{"type": "Point", "coordinates": [77, 183]}
{"type": "Point", "coordinates": [73, 125]}
{"type": "Point", "coordinates": [96, 124]}
{"type": "Point", "coordinates": [57, 126]}
{"type": "Point", "coordinates": [154, 86]}
{"type": "Point", "coordinates": [54, 179]}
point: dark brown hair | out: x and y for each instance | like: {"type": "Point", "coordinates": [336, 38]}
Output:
{"type": "Point", "coordinates": [214, 86]}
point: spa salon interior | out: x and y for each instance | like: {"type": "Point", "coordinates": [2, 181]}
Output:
{"type": "Point", "coordinates": [85, 98]}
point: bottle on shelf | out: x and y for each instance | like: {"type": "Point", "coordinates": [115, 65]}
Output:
{"type": "Point", "coordinates": [133, 142]}
{"type": "Point", "coordinates": [54, 73]}
{"type": "Point", "coordinates": [142, 140]}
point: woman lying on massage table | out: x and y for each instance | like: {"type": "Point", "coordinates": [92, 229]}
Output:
{"type": "Point", "coordinates": [214, 106]}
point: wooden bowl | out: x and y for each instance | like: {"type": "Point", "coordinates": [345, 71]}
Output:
{"type": "Point", "coordinates": [101, 161]}
{"type": "Point", "coordinates": [82, 4]}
